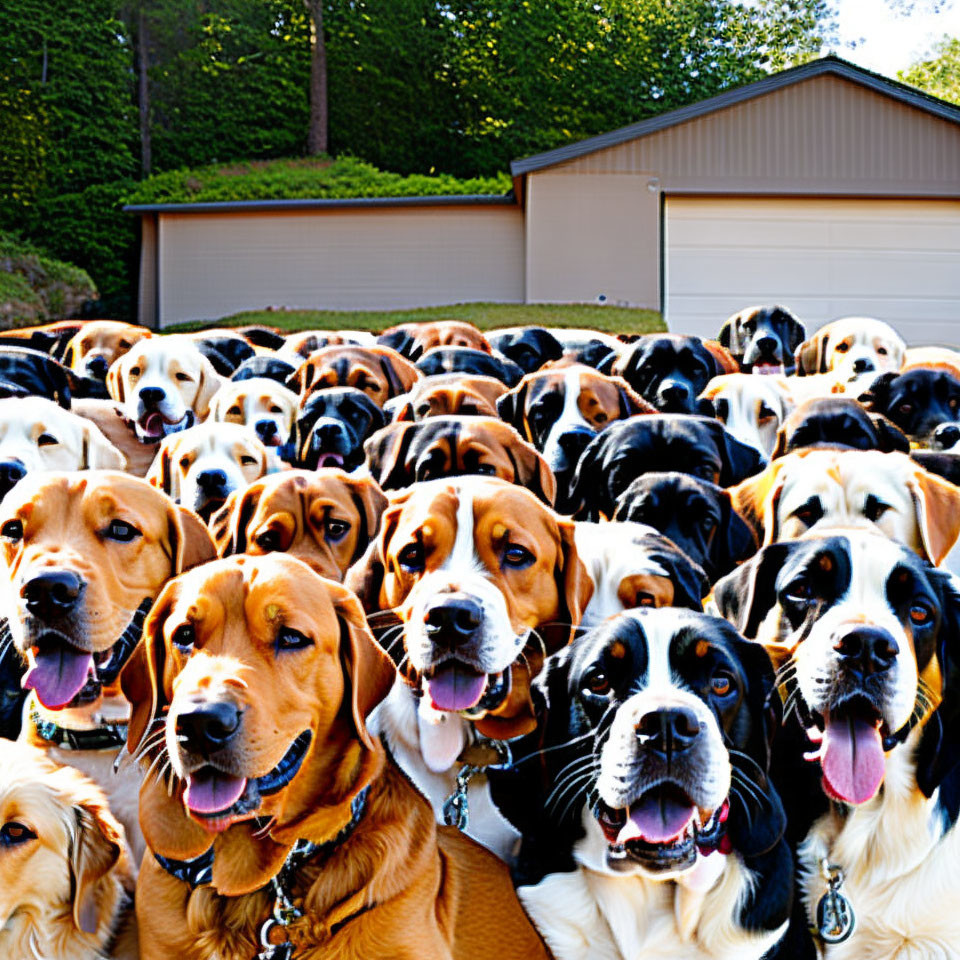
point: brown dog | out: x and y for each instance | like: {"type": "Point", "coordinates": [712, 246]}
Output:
{"type": "Point", "coordinates": [98, 343]}
{"type": "Point", "coordinates": [85, 555]}
{"type": "Point", "coordinates": [413, 340]}
{"type": "Point", "coordinates": [65, 877]}
{"type": "Point", "coordinates": [447, 394]}
{"type": "Point", "coordinates": [261, 676]}
{"type": "Point", "coordinates": [381, 373]}
{"type": "Point", "coordinates": [326, 518]}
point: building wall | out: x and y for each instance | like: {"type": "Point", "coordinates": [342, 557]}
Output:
{"type": "Point", "coordinates": [214, 264]}
{"type": "Point", "coordinates": [147, 291]}
{"type": "Point", "coordinates": [593, 236]}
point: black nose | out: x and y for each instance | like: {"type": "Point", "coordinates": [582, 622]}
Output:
{"type": "Point", "coordinates": [455, 619]}
{"type": "Point", "coordinates": [11, 472]}
{"type": "Point", "coordinates": [211, 481]}
{"type": "Point", "coordinates": [52, 594]}
{"type": "Point", "coordinates": [574, 442]}
{"type": "Point", "coordinates": [152, 396]}
{"type": "Point", "coordinates": [767, 345]}
{"type": "Point", "coordinates": [326, 433]}
{"type": "Point", "coordinates": [866, 651]}
{"type": "Point", "coordinates": [266, 429]}
{"type": "Point", "coordinates": [208, 727]}
{"type": "Point", "coordinates": [862, 365]}
{"type": "Point", "coordinates": [97, 367]}
{"type": "Point", "coordinates": [668, 731]}
{"type": "Point", "coordinates": [674, 393]}
{"type": "Point", "coordinates": [945, 436]}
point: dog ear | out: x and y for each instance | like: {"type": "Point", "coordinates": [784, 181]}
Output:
{"type": "Point", "coordinates": [96, 845]}
{"type": "Point", "coordinates": [386, 452]}
{"type": "Point", "coordinates": [891, 438]}
{"type": "Point", "coordinates": [370, 503]}
{"type": "Point", "coordinates": [162, 474]}
{"type": "Point", "coordinates": [401, 374]}
{"type": "Point", "coordinates": [399, 339]}
{"type": "Point", "coordinates": [877, 396]}
{"type": "Point", "coordinates": [365, 578]}
{"type": "Point", "coordinates": [229, 524]}
{"type": "Point", "coordinates": [530, 469]}
{"type": "Point", "coordinates": [302, 378]}
{"type": "Point", "coordinates": [115, 380]}
{"type": "Point", "coordinates": [937, 503]}
{"type": "Point", "coordinates": [512, 406]}
{"type": "Point", "coordinates": [370, 672]}
{"type": "Point", "coordinates": [631, 402]}
{"type": "Point", "coordinates": [690, 583]}
{"type": "Point", "coordinates": [745, 596]}
{"type": "Point", "coordinates": [797, 331]}
{"type": "Point", "coordinates": [190, 540]}
{"type": "Point", "coordinates": [735, 540]}
{"type": "Point", "coordinates": [739, 459]}
{"type": "Point", "coordinates": [97, 452]}
{"type": "Point", "coordinates": [811, 355]}
{"type": "Point", "coordinates": [70, 354]}
{"type": "Point", "coordinates": [574, 589]}
{"type": "Point", "coordinates": [724, 361]}
{"type": "Point", "coordinates": [730, 335]}
{"type": "Point", "coordinates": [210, 383]}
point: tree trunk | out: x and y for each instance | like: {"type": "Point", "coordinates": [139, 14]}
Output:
{"type": "Point", "coordinates": [317, 131]}
{"type": "Point", "coordinates": [143, 97]}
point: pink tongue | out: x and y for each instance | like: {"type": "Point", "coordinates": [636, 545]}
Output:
{"type": "Point", "coordinates": [656, 819]}
{"type": "Point", "coordinates": [209, 791]}
{"type": "Point", "coordinates": [852, 759]}
{"type": "Point", "coordinates": [58, 676]}
{"type": "Point", "coordinates": [330, 460]}
{"type": "Point", "coordinates": [453, 688]}
{"type": "Point", "coordinates": [153, 424]}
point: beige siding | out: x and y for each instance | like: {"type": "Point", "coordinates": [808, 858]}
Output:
{"type": "Point", "coordinates": [823, 136]}
{"type": "Point", "coordinates": [597, 236]}
{"type": "Point", "coordinates": [147, 292]}
{"type": "Point", "coordinates": [214, 264]}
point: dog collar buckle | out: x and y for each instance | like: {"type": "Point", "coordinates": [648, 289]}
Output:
{"type": "Point", "coordinates": [835, 917]}
{"type": "Point", "coordinates": [476, 757]}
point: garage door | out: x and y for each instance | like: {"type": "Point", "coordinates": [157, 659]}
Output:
{"type": "Point", "coordinates": [898, 260]}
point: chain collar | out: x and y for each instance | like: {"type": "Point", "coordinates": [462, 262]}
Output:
{"type": "Point", "coordinates": [479, 755]}
{"type": "Point", "coordinates": [106, 736]}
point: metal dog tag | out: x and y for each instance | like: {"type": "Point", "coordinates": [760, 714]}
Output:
{"type": "Point", "coordinates": [835, 918]}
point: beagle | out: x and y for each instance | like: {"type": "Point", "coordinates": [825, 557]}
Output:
{"type": "Point", "coordinates": [379, 372]}
{"type": "Point", "coordinates": [98, 343]}
{"type": "Point", "coordinates": [164, 385]}
{"type": "Point", "coordinates": [405, 453]}
{"type": "Point", "coordinates": [261, 677]}
{"type": "Point", "coordinates": [84, 556]}
{"type": "Point", "coordinates": [326, 518]}
{"type": "Point", "coordinates": [202, 466]}
{"type": "Point", "coordinates": [763, 339]}
{"type": "Point", "coordinates": [485, 580]}
{"type": "Point", "coordinates": [448, 394]}
{"type": "Point", "coordinates": [412, 340]}
{"type": "Point", "coordinates": [66, 882]}
{"type": "Point", "coordinates": [751, 408]}
{"type": "Point", "coordinates": [865, 635]}
{"type": "Point", "coordinates": [850, 348]}
{"type": "Point", "coordinates": [265, 406]}
{"type": "Point", "coordinates": [38, 434]}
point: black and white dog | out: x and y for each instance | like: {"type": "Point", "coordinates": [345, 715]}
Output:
{"type": "Point", "coordinates": [763, 339]}
{"type": "Point", "coordinates": [650, 825]}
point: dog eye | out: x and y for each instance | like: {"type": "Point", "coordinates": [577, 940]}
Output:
{"type": "Point", "coordinates": [46, 440]}
{"type": "Point", "coordinates": [707, 524]}
{"type": "Point", "coordinates": [882, 351]}
{"type": "Point", "coordinates": [12, 530]}
{"type": "Point", "coordinates": [766, 413]}
{"type": "Point", "coordinates": [185, 463]}
{"type": "Point", "coordinates": [486, 470]}
{"type": "Point", "coordinates": [234, 412]}
{"type": "Point", "coordinates": [905, 408]}
{"type": "Point", "coordinates": [184, 637]}
{"type": "Point", "coordinates": [644, 600]}
{"type": "Point", "coordinates": [290, 639]}
{"type": "Point", "coordinates": [122, 531]}
{"type": "Point", "coordinates": [275, 409]}
{"type": "Point", "coordinates": [134, 371]}
{"type": "Point", "coordinates": [596, 682]}
{"type": "Point", "coordinates": [601, 417]}
{"type": "Point", "coordinates": [125, 344]}
{"type": "Point", "coordinates": [799, 593]}
{"type": "Point", "coordinates": [423, 409]}
{"type": "Point", "coordinates": [721, 684]}
{"type": "Point", "coordinates": [184, 377]}
{"type": "Point", "coordinates": [12, 834]}
{"type": "Point", "coordinates": [336, 529]}
{"type": "Point", "coordinates": [704, 472]}
{"type": "Point", "coordinates": [843, 347]}
{"type": "Point", "coordinates": [268, 540]}
{"type": "Point", "coordinates": [875, 508]}
{"type": "Point", "coordinates": [517, 556]}
{"type": "Point", "coordinates": [248, 461]}
{"type": "Point", "coordinates": [953, 403]}
{"type": "Point", "coordinates": [920, 614]}
{"type": "Point", "coordinates": [411, 557]}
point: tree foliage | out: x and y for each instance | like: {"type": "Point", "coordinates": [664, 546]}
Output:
{"type": "Point", "coordinates": [938, 75]}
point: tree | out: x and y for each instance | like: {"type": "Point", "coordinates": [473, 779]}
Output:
{"type": "Point", "coordinates": [317, 131]}
{"type": "Point", "coordinates": [940, 74]}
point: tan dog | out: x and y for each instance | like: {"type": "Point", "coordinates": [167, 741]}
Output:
{"type": "Point", "coordinates": [413, 340]}
{"type": "Point", "coordinates": [447, 394]}
{"type": "Point", "coordinates": [98, 344]}
{"type": "Point", "coordinates": [379, 372]}
{"type": "Point", "coordinates": [305, 342]}
{"type": "Point", "coordinates": [202, 466]}
{"type": "Point", "coordinates": [850, 348]}
{"type": "Point", "coordinates": [163, 384]}
{"type": "Point", "coordinates": [823, 489]}
{"type": "Point", "coordinates": [85, 555]}
{"type": "Point", "coordinates": [264, 405]}
{"type": "Point", "coordinates": [486, 581]}
{"type": "Point", "coordinates": [65, 877]}
{"type": "Point", "coordinates": [262, 676]}
{"type": "Point", "coordinates": [326, 518]}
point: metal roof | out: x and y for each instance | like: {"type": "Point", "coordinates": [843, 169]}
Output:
{"type": "Point", "coordinates": [831, 65]}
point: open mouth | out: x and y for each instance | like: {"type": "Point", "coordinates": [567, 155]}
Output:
{"type": "Point", "coordinates": [459, 688]}
{"type": "Point", "coordinates": [768, 369]}
{"type": "Point", "coordinates": [217, 799]}
{"type": "Point", "coordinates": [329, 460]}
{"type": "Point", "coordinates": [663, 830]}
{"type": "Point", "coordinates": [154, 426]}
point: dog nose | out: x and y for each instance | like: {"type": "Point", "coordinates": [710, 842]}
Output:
{"type": "Point", "coordinates": [208, 727]}
{"type": "Point", "coordinates": [945, 436]}
{"type": "Point", "coordinates": [574, 442]}
{"type": "Point", "coordinates": [668, 731]}
{"type": "Point", "coordinates": [11, 472]}
{"type": "Point", "coordinates": [151, 396]}
{"type": "Point", "coordinates": [211, 480]}
{"type": "Point", "coordinates": [673, 392]}
{"type": "Point", "coordinates": [767, 345]}
{"type": "Point", "coordinates": [266, 429]}
{"type": "Point", "coordinates": [455, 619]}
{"type": "Point", "coordinates": [97, 367]}
{"type": "Point", "coordinates": [862, 365]}
{"type": "Point", "coordinates": [52, 594]}
{"type": "Point", "coordinates": [867, 650]}
{"type": "Point", "coordinates": [326, 433]}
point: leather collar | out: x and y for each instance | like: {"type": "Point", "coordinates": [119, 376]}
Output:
{"type": "Point", "coordinates": [107, 736]}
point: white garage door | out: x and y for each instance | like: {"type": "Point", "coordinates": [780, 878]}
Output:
{"type": "Point", "coordinates": [898, 260]}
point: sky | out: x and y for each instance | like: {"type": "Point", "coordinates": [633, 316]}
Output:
{"type": "Point", "coordinates": [888, 35]}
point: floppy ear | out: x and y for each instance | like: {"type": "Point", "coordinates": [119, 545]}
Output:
{"type": "Point", "coordinates": [511, 407]}
{"type": "Point", "coordinates": [756, 500]}
{"type": "Point", "coordinates": [730, 334]}
{"type": "Point", "coordinates": [400, 373]}
{"type": "Point", "coordinates": [370, 502]}
{"type": "Point", "coordinates": [399, 339]}
{"type": "Point", "coordinates": [210, 383]}
{"type": "Point", "coordinates": [937, 503]}
{"type": "Point", "coordinates": [745, 596]}
{"type": "Point", "coordinates": [301, 379]}
{"type": "Point", "coordinates": [631, 402]}
{"type": "Point", "coordinates": [811, 355]}
{"type": "Point", "coordinates": [723, 358]}
{"type": "Point", "coordinates": [574, 588]}
{"type": "Point", "coordinates": [877, 397]}
{"type": "Point", "coordinates": [115, 380]}
{"type": "Point", "coordinates": [70, 354]}
{"type": "Point", "coordinates": [190, 540]}
{"type": "Point", "coordinates": [97, 452]}
{"type": "Point", "coordinates": [531, 470]}
{"type": "Point", "coordinates": [162, 473]}
{"type": "Point", "coordinates": [890, 436]}
{"type": "Point", "coordinates": [946, 465]}
{"type": "Point", "coordinates": [740, 460]}
{"type": "Point", "coordinates": [734, 540]}
{"type": "Point", "coordinates": [370, 671]}
{"type": "Point", "coordinates": [690, 583]}
{"type": "Point", "coordinates": [386, 453]}
{"type": "Point", "coordinates": [228, 526]}
{"type": "Point", "coordinates": [365, 577]}
{"type": "Point", "coordinates": [586, 485]}
{"type": "Point", "coordinates": [797, 331]}
{"type": "Point", "coordinates": [96, 844]}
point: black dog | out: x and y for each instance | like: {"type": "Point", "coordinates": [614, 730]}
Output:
{"type": "Point", "coordinates": [838, 422]}
{"type": "Point", "coordinates": [529, 348]}
{"type": "Point", "coordinates": [763, 339]}
{"type": "Point", "coordinates": [12, 695]}
{"type": "Point", "coordinates": [225, 353]}
{"type": "Point", "coordinates": [273, 368]}
{"type": "Point", "coordinates": [698, 446]}
{"type": "Point", "coordinates": [695, 514]}
{"type": "Point", "coordinates": [651, 753]}
{"type": "Point", "coordinates": [670, 371]}
{"type": "Point", "coordinates": [924, 404]}
{"type": "Point", "coordinates": [331, 428]}
{"type": "Point", "coordinates": [465, 360]}
{"type": "Point", "coordinates": [27, 373]}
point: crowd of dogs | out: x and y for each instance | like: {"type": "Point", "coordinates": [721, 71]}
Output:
{"type": "Point", "coordinates": [438, 644]}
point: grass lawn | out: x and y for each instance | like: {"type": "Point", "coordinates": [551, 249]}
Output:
{"type": "Point", "coordinates": [486, 316]}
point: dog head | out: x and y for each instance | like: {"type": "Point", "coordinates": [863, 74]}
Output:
{"type": "Point", "coordinates": [763, 339]}
{"type": "Point", "coordinates": [528, 347]}
{"type": "Point", "coordinates": [448, 395]}
{"type": "Point", "coordinates": [225, 349]}
{"type": "Point", "coordinates": [325, 518]}
{"type": "Point", "coordinates": [332, 427]}
{"type": "Point", "coordinates": [265, 367]}
{"type": "Point", "coordinates": [751, 408]}
{"type": "Point", "coordinates": [265, 406]}
{"type": "Point", "coordinates": [27, 373]}
{"type": "Point", "coordinates": [851, 347]}
{"type": "Point", "coordinates": [924, 404]}
{"type": "Point", "coordinates": [379, 372]}
{"type": "Point", "coordinates": [92, 351]}
{"type": "Point", "coordinates": [412, 340]}
{"type": "Point", "coordinates": [465, 360]}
